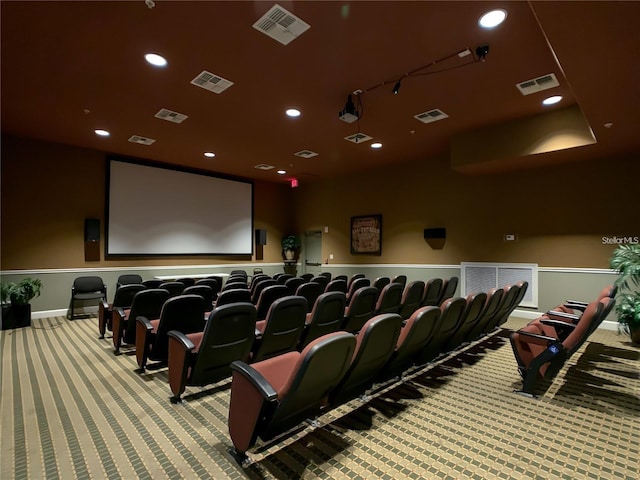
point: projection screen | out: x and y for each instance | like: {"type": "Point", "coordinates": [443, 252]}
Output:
{"type": "Point", "coordinates": [153, 210]}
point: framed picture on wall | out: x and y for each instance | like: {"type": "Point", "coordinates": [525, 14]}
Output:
{"type": "Point", "coordinates": [366, 234]}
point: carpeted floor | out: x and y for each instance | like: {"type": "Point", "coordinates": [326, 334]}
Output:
{"type": "Point", "coordinates": [71, 409]}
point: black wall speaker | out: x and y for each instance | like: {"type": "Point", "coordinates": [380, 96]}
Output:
{"type": "Point", "coordinates": [261, 236]}
{"type": "Point", "coordinates": [436, 233]}
{"type": "Point", "coordinates": [91, 230]}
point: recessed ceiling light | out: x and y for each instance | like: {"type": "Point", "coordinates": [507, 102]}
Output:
{"type": "Point", "coordinates": [493, 18]}
{"type": "Point", "coordinates": [209, 154]}
{"type": "Point", "coordinates": [281, 172]}
{"type": "Point", "coordinates": [552, 100]}
{"type": "Point", "coordinates": [293, 112]}
{"type": "Point", "coordinates": [376, 145]}
{"type": "Point", "coordinates": [102, 133]}
{"type": "Point", "coordinates": [155, 60]}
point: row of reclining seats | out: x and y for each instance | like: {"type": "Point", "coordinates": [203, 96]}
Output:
{"type": "Point", "coordinates": [272, 396]}
{"type": "Point", "coordinates": [542, 347]}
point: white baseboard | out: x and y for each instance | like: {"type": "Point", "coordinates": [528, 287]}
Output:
{"type": "Point", "coordinates": [62, 312]}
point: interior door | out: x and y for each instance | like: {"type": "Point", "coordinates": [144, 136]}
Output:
{"type": "Point", "coordinates": [313, 252]}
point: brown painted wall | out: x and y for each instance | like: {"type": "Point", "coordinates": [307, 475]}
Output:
{"type": "Point", "coordinates": [49, 189]}
{"type": "Point", "coordinates": [560, 214]}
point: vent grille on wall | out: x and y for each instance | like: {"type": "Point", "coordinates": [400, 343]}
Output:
{"type": "Point", "coordinates": [171, 116]}
{"type": "Point", "coordinates": [482, 277]}
{"type": "Point", "coordinates": [141, 140]}
{"type": "Point", "coordinates": [358, 138]}
{"type": "Point", "coordinates": [539, 84]}
{"type": "Point", "coordinates": [281, 25]}
{"type": "Point", "coordinates": [212, 82]}
{"type": "Point", "coordinates": [264, 166]}
{"type": "Point", "coordinates": [431, 116]}
{"type": "Point", "coordinates": [305, 154]}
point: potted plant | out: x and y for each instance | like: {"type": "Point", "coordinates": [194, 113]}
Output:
{"type": "Point", "coordinates": [16, 309]}
{"type": "Point", "coordinates": [626, 262]}
{"type": "Point", "coordinates": [290, 247]}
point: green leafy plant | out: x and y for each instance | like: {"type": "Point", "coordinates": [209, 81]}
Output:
{"type": "Point", "coordinates": [290, 242]}
{"type": "Point", "coordinates": [626, 262]}
{"type": "Point", "coordinates": [21, 293]}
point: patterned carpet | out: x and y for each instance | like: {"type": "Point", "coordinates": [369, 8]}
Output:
{"type": "Point", "coordinates": [71, 409]}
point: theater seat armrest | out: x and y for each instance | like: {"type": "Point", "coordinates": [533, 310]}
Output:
{"type": "Point", "coordinates": [182, 339]}
{"type": "Point", "coordinates": [256, 379]}
{"type": "Point", "coordinates": [104, 304]}
{"type": "Point", "coordinates": [559, 324]}
{"type": "Point", "coordinates": [120, 312]}
{"type": "Point", "coordinates": [577, 303]}
{"type": "Point", "coordinates": [145, 321]}
{"type": "Point", "coordinates": [538, 336]}
{"type": "Point", "coordinates": [567, 316]}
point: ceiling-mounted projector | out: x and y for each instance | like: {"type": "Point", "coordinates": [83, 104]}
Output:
{"type": "Point", "coordinates": [349, 114]}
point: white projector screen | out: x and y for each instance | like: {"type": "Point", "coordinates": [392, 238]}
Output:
{"type": "Point", "coordinates": [161, 211]}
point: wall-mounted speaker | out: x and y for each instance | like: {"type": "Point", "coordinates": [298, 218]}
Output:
{"type": "Point", "coordinates": [435, 233]}
{"type": "Point", "coordinates": [261, 236]}
{"type": "Point", "coordinates": [91, 230]}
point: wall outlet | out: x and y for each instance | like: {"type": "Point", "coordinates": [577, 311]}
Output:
{"type": "Point", "coordinates": [326, 229]}
{"type": "Point", "coordinates": [331, 256]}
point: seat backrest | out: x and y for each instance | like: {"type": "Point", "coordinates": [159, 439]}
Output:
{"type": "Point", "coordinates": [284, 325]}
{"type": "Point", "coordinates": [311, 291]}
{"type": "Point", "coordinates": [257, 278]}
{"type": "Point", "coordinates": [146, 303]}
{"type": "Point", "coordinates": [228, 336]}
{"type": "Point", "coordinates": [326, 274]}
{"type": "Point", "coordinates": [187, 281]}
{"type": "Point", "coordinates": [520, 290]}
{"type": "Point", "coordinates": [401, 279]}
{"type": "Point", "coordinates": [360, 309]}
{"type": "Point", "coordinates": [353, 278]}
{"type": "Point", "coordinates": [322, 280]}
{"type": "Point", "coordinates": [268, 296]}
{"type": "Point", "coordinates": [235, 285]}
{"type": "Point", "coordinates": [375, 343]}
{"type": "Point", "coordinates": [337, 285]}
{"type": "Point", "coordinates": [293, 283]}
{"type": "Point", "coordinates": [174, 288]}
{"type": "Point", "coordinates": [204, 291]}
{"type": "Point", "coordinates": [212, 283]}
{"type": "Point", "coordinates": [432, 292]}
{"type": "Point", "coordinates": [389, 299]}
{"type": "Point", "coordinates": [262, 284]}
{"type": "Point", "coordinates": [356, 284]}
{"type": "Point", "coordinates": [184, 313]}
{"type": "Point", "coordinates": [237, 295]}
{"type": "Point", "coordinates": [491, 306]}
{"type": "Point", "coordinates": [380, 283]}
{"type": "Point", "coordinates": [414, 335]}
{"type": "Point", "coordinates": [283, 277]}
{"type": "Point", "coordinates": [238, 272]}
{"type": "Point", "coordinates": [326, 316]}
{"type": "Point", "coordinates": [411, 298]}
{"type": "Point", "coordinates": [450, 319]}
{"type": "Point", "coordinates": [449, 288]}
{"type": "Point", "coordinates": [470, 316]}
{"type": "Point", "coordinates": [88, 285]}
{"type": "Point", "coordinates": [127, 279]}
{"type": "Point", "coordinates": [123, 297]}
{"type": "Point", "coordinates": [509, 295]}
{"type": "Point", "coordinates": [342, 277]}
{"type": "Point", "coordinates": [152, 283]}
{"type": "Point", "coordinates": [306, 277]}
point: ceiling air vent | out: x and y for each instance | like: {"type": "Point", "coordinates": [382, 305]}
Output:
{"type": "Point", "coordinates": [281, 25]}
{"type": "Point", "coordinates": [305, 154]}
{"type": "Point", "coordinates": [171, 116]}
{"type": "Point", "coordinates": [358, 138]}
{"type": "Point", "coordinates": [212, 82]}
{"type": "Point", "coordinates": [431, 116]}
{"type": "Point", "coordinates": [141, 140]}
{"type": "Point", "coordinates": [538, 84]}
{"type": "Point", "coordinates": [264, 166]}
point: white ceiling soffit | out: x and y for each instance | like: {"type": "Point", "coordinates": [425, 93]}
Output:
{"type": "Point", "coordinates": [264, 166]}
{"type": "Point", "coordinates": [431, 116]}
{"type": "Point", "coordinates": [281, 25]}
{"type": "Point", "coordinates": [141, 140]}
{"type": "Point", "coordinates": [212, 82]}
{"type": "Point", "coordinates": [171, 116]}
{"type": "Point", "coordinates": [539, 84]}
{"type": "Point", "coordinates": [358, 138]}
{"type": "Point", "coordinates": [305, 154]}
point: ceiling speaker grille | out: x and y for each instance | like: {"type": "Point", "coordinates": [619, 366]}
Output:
{"type": "Point", "coordinates": [431, 116]}
{"type": "Point", "coordinates": [264, 166]}
{"type": "Point", "coordinates": [539, 84]}
{"type": "Point", "coordinates": [141, 140]}
{"type": "Point", "coordinates": [171, 116]}
{"type": "Point", "coordinates": [281, 25]}
{"type": "Point", "coordinates": [212, 82]}
{"type": "Point", "coordinates": [358, 138]}
{"type": "Point", "coordinates": [305, 154]}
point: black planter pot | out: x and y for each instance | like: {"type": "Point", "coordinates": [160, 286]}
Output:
{"type": "Point", "coordinates": [634, 333]}
{"type": "Point", "coordinates": [16, 316]}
